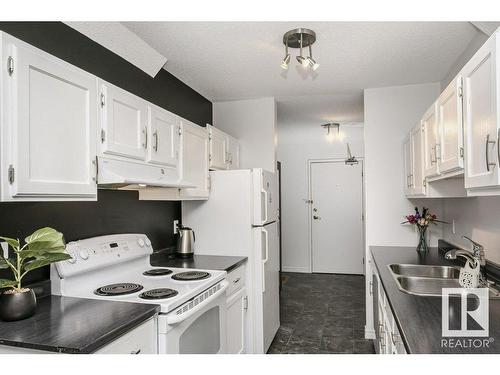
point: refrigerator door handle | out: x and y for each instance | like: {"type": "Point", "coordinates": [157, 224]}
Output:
{"type": "Point", "coordinates": [264, 261]}
{"type": "Point", "coordinates": [264, 193]}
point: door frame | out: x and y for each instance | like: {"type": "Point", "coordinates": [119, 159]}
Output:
{"type": "Point", "coordinates": [310, 163]}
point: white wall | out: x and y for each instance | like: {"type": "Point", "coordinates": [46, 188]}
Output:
{"type": "Point", "coordinates": [253, 122]}
{"type": "Point", "coordinates": [390, 113]}
{"type": "Point", "coordinates": [477, 218]}
{"type": "Point", "coordinates": [297, 145]}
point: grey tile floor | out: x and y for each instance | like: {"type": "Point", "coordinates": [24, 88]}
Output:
{"type": "Point", "coordinates": [322, 313]}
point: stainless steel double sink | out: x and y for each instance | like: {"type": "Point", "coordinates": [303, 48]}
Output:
{"type": "Point", "coordinates": [424, 280]}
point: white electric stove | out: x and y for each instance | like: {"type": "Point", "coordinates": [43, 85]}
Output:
{"type": "Point", "coordinates": [117, 268]}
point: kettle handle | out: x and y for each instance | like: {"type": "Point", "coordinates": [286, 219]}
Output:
{"type": "Point", "coordinates": [194, 237]}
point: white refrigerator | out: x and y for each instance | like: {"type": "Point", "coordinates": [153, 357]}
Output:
{"type": "Point", "coordinates": [241, 219]}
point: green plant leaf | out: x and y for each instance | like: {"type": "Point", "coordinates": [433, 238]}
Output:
{"type": "Point", "coordinates": [46, 259]}
{"type": "Point", "coordinates": [3, 263]}
{"type": "Point", "coordinates": [11, 241]}
{"type": "Point", "coordinates": [4, 283]}
{"type": "Point", "coordinates": [46, 234]}
{"type": "Point", "coordinates": [57, 246]}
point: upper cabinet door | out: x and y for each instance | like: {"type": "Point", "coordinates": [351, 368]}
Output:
{"type": "Point", "coordinates": [218, 148]}
{"type": "Point", "coordinates": [123, 123]}
{"type": "Point", "coordinates": [407, 165]}
{"type": "Point", "coordinates": [52, 120]}
{"type": "Point", "coordinates": [450, 125]}
{"type": "Point", "coordinates": [195, 161]}
{"type": "Point", "coordinates": [431, 146]}
{"type": "Point", "coordinates": [481, 116]}
{"type": "Point", "coordinates": [417, 147]}
{"type": "Point", "coordinates": [164, 131]}
{"type": "Point", "coordinates": [233, 153]}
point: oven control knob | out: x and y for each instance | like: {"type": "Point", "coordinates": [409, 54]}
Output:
{"type": "Point", "coordinates": [148, 242]}
{"type": "Point", "coordinates": [84, 254]}
{"type": "Point", "coordinates": [140, 241]}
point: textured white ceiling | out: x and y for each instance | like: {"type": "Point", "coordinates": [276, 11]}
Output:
{"type": "Point", "coordinates": [239, 60]}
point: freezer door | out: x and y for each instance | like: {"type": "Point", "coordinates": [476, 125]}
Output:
{"type": "Point", "coordinates": [266, 285]}
{"type": "Point", "coordinates": [266, 200]}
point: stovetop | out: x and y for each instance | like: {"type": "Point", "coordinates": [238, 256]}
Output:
{"type": "Point", "coordinates": [117, 268]}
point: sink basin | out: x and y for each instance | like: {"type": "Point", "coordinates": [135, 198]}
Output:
{"type": "Point", "coordinates": [423, 280]}
{"type": "Point", "coordinates": [417, 270]}
{"type": "Point", "coordinates": [425, 286]}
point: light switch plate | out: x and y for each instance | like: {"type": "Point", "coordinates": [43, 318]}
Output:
{"type": "Point", "coordinates": [176, 226]}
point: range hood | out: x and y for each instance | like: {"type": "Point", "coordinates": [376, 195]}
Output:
{"type": "Point", "coordinates": [117, 174]}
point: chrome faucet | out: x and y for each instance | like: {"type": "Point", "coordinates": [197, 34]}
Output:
{"type": "Point", "coordinates": [477, 250]}
{"type": "Point", "coordinates": [475, 257]}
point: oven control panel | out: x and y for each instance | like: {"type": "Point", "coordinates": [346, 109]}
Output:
{"type": "Point", "coordinates": [99, 252]}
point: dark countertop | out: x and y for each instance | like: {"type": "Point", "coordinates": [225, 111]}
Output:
{"type": "Point", "coordinates": [74, 325]}
{"type": "Point", "coordinates": [205, 262]}
{"type": "Point", "coordinates": [419, 318]}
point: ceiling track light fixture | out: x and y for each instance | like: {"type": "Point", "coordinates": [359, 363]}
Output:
{"type": "Point", "coordinates": [330, 125]}
{"type": "Point", "coordinates": [300, 38]}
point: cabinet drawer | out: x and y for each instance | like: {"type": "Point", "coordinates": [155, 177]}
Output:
{"type": "Point", "coordinates": [141, 340]}
{"type": "Point", "coordinates": [236, 279]}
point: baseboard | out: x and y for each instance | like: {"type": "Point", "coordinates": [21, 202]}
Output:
{"type": "Point", "coordinates": [295, 269]}
{"type": "Point", "coordinates": [369, 334]}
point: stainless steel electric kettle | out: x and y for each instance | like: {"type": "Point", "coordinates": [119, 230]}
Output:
{"type": "Point", "coordinates": [185, 242]}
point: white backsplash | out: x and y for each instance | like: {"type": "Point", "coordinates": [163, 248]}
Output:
{"type": "Point", "coordinates": [477, 218]}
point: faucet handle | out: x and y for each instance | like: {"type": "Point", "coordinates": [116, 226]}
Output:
{"type": "Point", "coordinates": [474, 243]}
{"type": "Point", "coordinates": [478, 250]}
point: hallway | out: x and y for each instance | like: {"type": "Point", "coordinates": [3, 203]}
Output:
{"type": "Point", "coordinates": [322, 313]}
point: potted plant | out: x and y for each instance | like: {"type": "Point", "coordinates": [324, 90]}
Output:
{"type": "Point", "coordinates": [43, 247]}
{"type": "Point", "coordinates": [422, 221]}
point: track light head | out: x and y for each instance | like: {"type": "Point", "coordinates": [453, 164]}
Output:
{"type": "Point", "coordinates": [303, 61]}
{"type": "Point", "coordinates": [285, 61]}
{"type": "Point", "coordinates": [312, 63]}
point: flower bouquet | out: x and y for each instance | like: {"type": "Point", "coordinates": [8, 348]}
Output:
{"type": "Point", "coordinates": [422, 221]}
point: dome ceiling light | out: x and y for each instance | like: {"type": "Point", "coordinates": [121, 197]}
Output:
{"type": "Point", "coordinates": [300, 38]}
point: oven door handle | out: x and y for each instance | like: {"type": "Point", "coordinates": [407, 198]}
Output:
{"type": "Point", "coordinates": [174, 319]}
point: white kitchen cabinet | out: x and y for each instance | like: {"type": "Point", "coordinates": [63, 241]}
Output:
{"type": "Point", "coordinates": [224, 150]}
{"type": "Point", "coordinates": [193, 164]}
{"type": "Point", "coordinates": [417, 180]}
{"type": "Point", "coordinates": [236, 311]}
{"type": "Point", "coordinates": [450, 125]}
{"type": "Point", "coordinates": [49, 120]}
{"type": "Point", "coordinates": [233, 153]}
{"type": "Point", "coordinates": [218, 148]}
{"type": "Point", "coordinates": [123, 123]}
{"type": "Point", "coordinates": [140, 340]}
{"type": "Point", "coordinates": [481, 89]}
{"type": "Point", "coordinates": [388, 339]}
{"type": "Point", "coordinates": [407, 165]}
{"type": "Point", "coordinates": [431, 145]}
{"type": "Point", "coordinates": [164, 132]}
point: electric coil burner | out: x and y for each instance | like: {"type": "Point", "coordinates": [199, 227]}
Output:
{"type": "Point", "coordinates": [119, 289]}
{"type": "Point", "coordinates": [191, 276]}
{"type": "Point", "coordinates": [159, 293]}
{"type": "Point", "coordinates": [157, 272]}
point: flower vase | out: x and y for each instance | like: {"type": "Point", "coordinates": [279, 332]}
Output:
{"type": "Point", "coordinates": [422, 247]}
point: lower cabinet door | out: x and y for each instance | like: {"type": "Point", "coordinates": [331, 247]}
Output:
{"type": "Point", "coordinates": [236, 313]}
{"type": "Point", "coordinates": [141, 340]}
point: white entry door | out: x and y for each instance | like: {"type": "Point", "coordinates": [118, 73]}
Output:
{"type": "Point", "coordinates": [336, 217]}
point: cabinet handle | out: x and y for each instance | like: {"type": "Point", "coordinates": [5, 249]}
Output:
{"type": "Point", "coordinates": [487, 154]}
{"type": "Point", "coordinates": [145, 131]}
{"type": "Point", "coordinates": [135, 351]}
{"type": "Point", "coordinates": [155, 135]}
{"type": "Point", "coordinates": [498, 147]}
{"type": "Point", "coordinates": [236, 281]}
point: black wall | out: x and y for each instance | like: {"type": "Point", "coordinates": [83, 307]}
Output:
{"type": "Point", "coordinates": [115, 211]}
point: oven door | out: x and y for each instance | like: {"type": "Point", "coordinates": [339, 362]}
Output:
{"type": "Point", "coordinates": [198, 326]}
